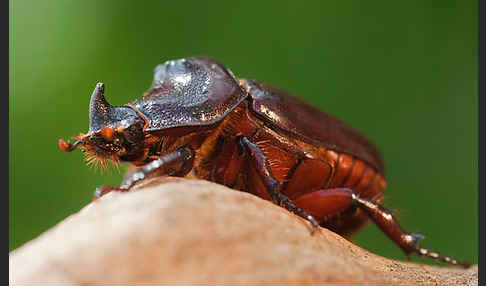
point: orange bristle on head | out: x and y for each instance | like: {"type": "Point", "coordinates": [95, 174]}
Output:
{"type": "Point", "coordinates": [98, 162]}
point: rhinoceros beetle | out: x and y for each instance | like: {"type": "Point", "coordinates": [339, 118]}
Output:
{"type": "Point", "coordinates": [198, 119]}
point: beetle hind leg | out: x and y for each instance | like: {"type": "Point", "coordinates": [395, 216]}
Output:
{"type": "Point", "coordinates": [408, 242]}
{"type": "Point", "coordinates": [324, 203]}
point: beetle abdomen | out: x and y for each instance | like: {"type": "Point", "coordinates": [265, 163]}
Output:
{"type": "Point", "coordinates": [306, 171]}
{"type": "Point", "coordinates": [334, 170]}
{"type": "Point", "coordinates": [355, 174]}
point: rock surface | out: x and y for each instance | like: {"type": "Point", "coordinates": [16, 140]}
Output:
{"type": "Point", "coordinates": [191, 232]}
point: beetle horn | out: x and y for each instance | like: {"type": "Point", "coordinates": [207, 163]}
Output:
{"type": "Point", "coordinates": [102, 114]}
{"type": "Point", "coordinates": [99, 108]}
{"type": "Point", "coordinates": [98, 98]}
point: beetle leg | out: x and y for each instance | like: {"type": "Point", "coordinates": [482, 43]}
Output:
{"type": "Point", "coordinates": [408, 242]}
{"type": "Point", "coordinates": [322, 203]}
{"type": "Point", "coordinates": [176, 163]}
{"type": "Point", "coordinates": [165, 163]}
{"type": "Point", "coordinates": [273, 185]}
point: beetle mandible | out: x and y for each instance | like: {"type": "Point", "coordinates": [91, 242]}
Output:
{"type": "Point", "coordinates": [198, 119]}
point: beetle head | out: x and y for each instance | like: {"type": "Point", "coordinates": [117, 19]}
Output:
{"type": "Point", "coordinates": [115, 133]}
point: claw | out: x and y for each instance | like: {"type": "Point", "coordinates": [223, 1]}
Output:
{"type": "Point", "coordinates": [416, 237]}
{"type": "Point", "coordinates": [101, 191]}
{"type": "Point", "coordinates": [314, 223]}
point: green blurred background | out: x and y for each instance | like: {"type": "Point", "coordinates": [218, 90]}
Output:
{"type": "Point", "coordinates": [403, 72]}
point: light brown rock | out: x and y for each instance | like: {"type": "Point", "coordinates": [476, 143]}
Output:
{"type": "Point", "coordinates": [190, 232]}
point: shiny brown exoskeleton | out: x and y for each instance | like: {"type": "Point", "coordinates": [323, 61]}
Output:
{"type": "Point", "coordinates": [198, 120]}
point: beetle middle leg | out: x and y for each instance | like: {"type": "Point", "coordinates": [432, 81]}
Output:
{"type": "Point", "coordinates": [176, 163]}
{"type": "Point", "coordinates": [323, 203]}
{"type": "Point", "coordinates": [272, 185]}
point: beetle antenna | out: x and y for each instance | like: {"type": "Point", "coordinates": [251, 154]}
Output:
{"type": "Point", "coordinates": [68, 147]}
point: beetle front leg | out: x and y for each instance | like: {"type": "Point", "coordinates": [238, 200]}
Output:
{"type": "Point", "coordinates": [257, 157]}
{"type": "Point", "coordinates": [323, 203]}
{"type": "Point", "coordinates": [177, 163]}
